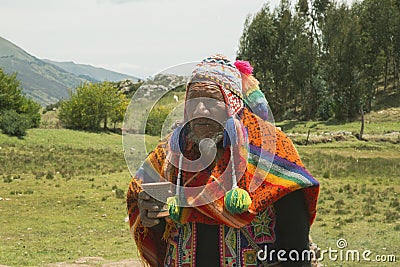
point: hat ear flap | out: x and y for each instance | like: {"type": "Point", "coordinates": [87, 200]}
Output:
{"type": "Point", "coordinates": [177, 140]}
{"type": "Point", "coordinates": [257, 103]}
{"type": "Point", "coordinates": [237, 200]}
{"type": "Point", "coordinates": [230, 132]}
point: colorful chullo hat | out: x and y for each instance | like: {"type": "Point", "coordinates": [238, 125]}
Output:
{"type": "Point", "coordinates": [238, 85]}
{"type": "Point", "coordinates": [219, 70]}
{"type": "Point", "coordinates": [239, 88]}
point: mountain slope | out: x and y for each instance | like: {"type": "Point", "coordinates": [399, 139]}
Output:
{"type": "Point", "coordinates": [47, 81]}
{"type": "Point", "coordinates": [43, 82]}
{"type": "Point", "coordinates": [90, 72]}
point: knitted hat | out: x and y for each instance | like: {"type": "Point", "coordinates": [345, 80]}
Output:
{"type": "Point", "coordinates": [238, 85]}
{"type": "Point", "coordinates": [219, 70]}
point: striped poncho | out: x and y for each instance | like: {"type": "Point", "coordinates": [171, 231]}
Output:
{"type": "Point", "coordinates": [270, 173]}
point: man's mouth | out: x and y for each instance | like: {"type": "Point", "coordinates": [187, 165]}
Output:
{"type": "Point", "coordinates": [203, 124]}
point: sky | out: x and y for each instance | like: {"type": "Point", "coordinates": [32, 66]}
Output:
{"type": "Point", "coordinates": [135, 37]}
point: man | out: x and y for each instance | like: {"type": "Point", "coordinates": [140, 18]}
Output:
{"type": "Point", "coordinates": [243, 196]}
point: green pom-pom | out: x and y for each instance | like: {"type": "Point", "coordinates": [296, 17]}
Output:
{"type": "Point", "coordinates": [174, 208]}
{"type": "Point", "coordinates": [237, 200]}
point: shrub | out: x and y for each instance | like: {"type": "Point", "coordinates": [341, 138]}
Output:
{"type": "Point", "coordinates": [391, 216]}
{"type": "Point", "coordinates": [327, 174]}
{"type": "Point", "coordinates": [49, 175]}
{"type": "Point", "coordinates": [7, 179]}
{"type": "Point", "coordinates": [156, 120]}
{"type": "Point", "coordinates": [119, 193]}
{"type": "Point", "coordinates": [29, 192]}
{"type": "Point", "coordinates": [394, 203]}
{"type": "Point", "coordinates": [15, 124]}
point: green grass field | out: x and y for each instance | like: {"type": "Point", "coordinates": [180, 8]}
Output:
{"type": "Point", "coordinates": [359, 198]}
{"type": "Point", "coordinates": [62, 195]}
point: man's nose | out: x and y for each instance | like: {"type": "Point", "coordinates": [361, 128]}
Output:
{"type": "Point", "coordinates": [201, 109]}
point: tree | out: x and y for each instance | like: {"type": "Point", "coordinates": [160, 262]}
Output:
{"type": "Point", "coordinates": [10, 91]}
{"type": "Point", "coordinates": [342, 61]}
{"type": "Point", "coordinates": [17, 113]}
{"type": "Point", "coordinates": [118, 113]}
{"type": "Point", "coordinates": [31, 109]}
{"type": "Point", "coordinates": [258, 45]}
{"type": "Point", "coordinates": [92, 105]}
{"type": "Point", "coordinates": [285, 33]}
{"type": "Point", "coordinates": [322, 58]}
{"type": "Point", "coordinates": [281, 48]}
{"type": "Point", "coordinates": [396, 45]}
{"type": "Point", "coordinates": [378, 25]}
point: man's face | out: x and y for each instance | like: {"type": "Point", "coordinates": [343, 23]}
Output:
{"type": "Point", "coordinates": [205, 110]}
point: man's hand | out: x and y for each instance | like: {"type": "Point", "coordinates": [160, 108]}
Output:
{"type": "Point", "coordinates": [146, 203]}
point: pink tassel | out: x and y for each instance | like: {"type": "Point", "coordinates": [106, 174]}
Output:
{"type": "Point", "coordinates": [244, 67]}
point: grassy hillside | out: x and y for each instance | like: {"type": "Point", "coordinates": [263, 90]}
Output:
{"type": "Point", "coordinates": [43, 82]}
{"type": "Point", "coordinates": [380, 126]}
{"type": "Point", "coordinates": [62, 193]}
{"type": "Point", "coordinates": [93, 73]}
{"type": "Point", "coordinates": [47, 81]}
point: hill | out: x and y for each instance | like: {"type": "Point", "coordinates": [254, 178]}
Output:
{"type": "Point", "coordinates": [46, 81]}
{"type": "Point", "coordinates": [90, 72]}
{"type": "Point", "coordinates": [43, 82]}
